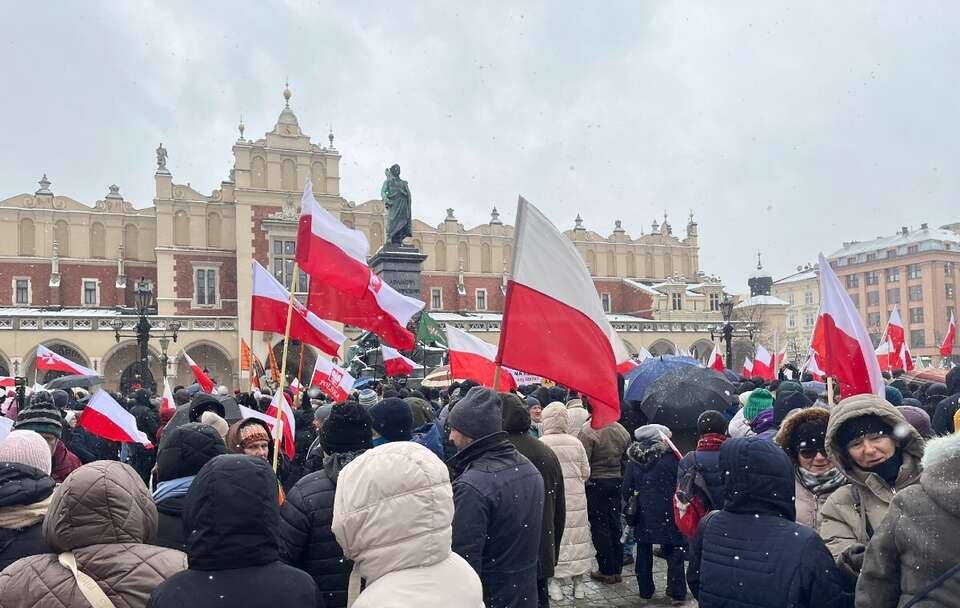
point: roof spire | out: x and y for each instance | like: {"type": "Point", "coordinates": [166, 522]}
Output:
{"type": "Point", "coordinates": [759, 264]}
{"type": "Point", "coordinates": [330, 137]}
{"type": "Point", "coordinates": [241, 127]}
{"type": "Point", "coordinates": [286, 93]}
{"type": "Point", "coordinates": [44, 186]}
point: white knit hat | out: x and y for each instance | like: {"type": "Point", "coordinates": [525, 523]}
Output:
{"type": "Point", "coordinates": [26, 447]}
{"type": "Point", "coordinates": [213, 419]}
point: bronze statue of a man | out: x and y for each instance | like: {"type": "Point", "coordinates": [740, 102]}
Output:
{"type": "Point", "coordinates": [396, 198]}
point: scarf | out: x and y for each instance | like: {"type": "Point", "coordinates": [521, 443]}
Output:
{"type": "Point", "coordinates": [822, 483]}
{"type": "Point", "coordinates": [889, 469]}
{"type": "Point", "coordinates": [172, 488]}
{"type": "Point", "coordinates": [24, 516]}
{"type": "Point", "coordinates": [710, 442]}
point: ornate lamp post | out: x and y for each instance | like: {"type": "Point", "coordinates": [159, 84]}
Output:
{"type": "Point", "coordinates": [144, 302]}
{"type": "Point", "coordinates": [727, 331]}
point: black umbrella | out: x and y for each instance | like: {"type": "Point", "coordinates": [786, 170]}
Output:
{"type": "Point", "coordinates": [678, 397]}
{"type": "Point", "coordinates": [74, 381]}
{"type": "Point", "coordinates": [230, 406]}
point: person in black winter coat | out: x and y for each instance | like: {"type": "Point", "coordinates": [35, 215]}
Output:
{"type": "Point", "coordinates": [942, 421]}
{"type": "Point", "coordinates": [752, 554]}
{"type": "Point", "coordinates": [143, 458]}
{"type": "Point", "coordinates": [498, 502]}
{"type": "Point", "coordinates": [233, 513]}
{"type": "Point", "coordinates": [183, 452]}
{"type": "Point", "coordinates": [651, 478]}
{"type": "Point", "coordinates": [516, 422]}
{"type": "Point", "coordinates": [306, 539]}
{"type": "Point", "coordinates": [711, 433]}
{"type": "Point", "coordinates": [25, 490]}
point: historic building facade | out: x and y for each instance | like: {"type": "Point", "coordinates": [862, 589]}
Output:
{"type": "Point", "coordinates": [68, 269]}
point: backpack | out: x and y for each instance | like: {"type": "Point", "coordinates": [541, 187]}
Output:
{"type": "Point", "coordinates": [692, 499]}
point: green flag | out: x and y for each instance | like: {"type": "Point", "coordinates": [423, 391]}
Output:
{"type": "Point", "coordinates": [430, 332]}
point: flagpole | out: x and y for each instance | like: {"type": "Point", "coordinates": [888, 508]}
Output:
{"type": "Point", "coordinates": [278, 425]}
{"type": "Point", "coordinates": [830, 390]}
{"type": "Point", "coordinates": [252, 370]}
{"type": "Point", "coordinates": [496, 378]}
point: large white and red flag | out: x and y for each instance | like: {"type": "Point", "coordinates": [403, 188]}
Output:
{"type": "Point", "coordinates": [763, 363]}
{"type": "Point", "coordinates": [474, 359]}
{"type": "Point", "coordinates": [289, 423]}
{"type": "Point", "coordinates": [396, 364]}
{"type": "Point", "coordinates": [167, 401]}
{"type": "Point", "coordinates": [841, 341]}
{"type": "Point", "coordinates": [906, 359]}
{"type": "Point", "coordinates": [328, 250]}
{"type": "Point", "coordinates": [895, 333]}
{"type": "Point", "coordinates": [946, 347]}
{"type": "Point", "coordinates": [206, 384]}
{"type": "Point", "coordinates": [747, 368]}
{"type": "Point", "coordinates": [715, 361]}
{"type": "Point", "coordinates": [332, 380]}
{"type": "Point", "coordinates": [47, 359]}
{"type": "Point", "coordinates": [269, 313]}
{"type": "Point", "coordinates": [885, 357]}
{"type": "Point", "coordinates": [812, 367]}
{"type": "Point", "coordinates": [553, 322]}
{"type": "Point", "coordinates": [106, 418]}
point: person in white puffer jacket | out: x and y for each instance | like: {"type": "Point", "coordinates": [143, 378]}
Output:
{"type": "Point", "coordinates": [393, 516]}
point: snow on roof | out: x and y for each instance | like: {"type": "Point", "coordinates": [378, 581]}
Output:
{"type": "Point", "coordinates": [761, 301]}
{"type": "Point", "coordinates": [641, 287]}
{"type": "Point", "coordinates": [935, 237]}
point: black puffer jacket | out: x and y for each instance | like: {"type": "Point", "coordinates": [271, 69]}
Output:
{"type": "Point", "coordinates": [752, 554]}
{"type": "Point", "coordinates": [233, 511]}
{"type": "Point", "coordinates": [306, 540]}
{"type": "Point", "coordinates": [183, 452]}
{"type": "Point", "coordinates": [20, 486]}
{"type": "Point", "coordinates": [651, 474]}
{"type": "Point", "coordinates": [942, 422]}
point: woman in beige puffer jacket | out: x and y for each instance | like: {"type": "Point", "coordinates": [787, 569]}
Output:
{"type": "Point", "coordinates": [576, 546]}
{"type": "Point", "coordinates": [393, 516]}
{"type": "Point", "coordinates": [103, 515]}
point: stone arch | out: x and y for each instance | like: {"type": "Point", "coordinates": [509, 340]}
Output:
{"type": "Point", "coordinates": [61, 347]}
{"type": "Point", "coordinates": [131, 242]}
{"type": "Point", "coordinates": [376, 236]}
{"type": "Point", "coordinates": [293, 360]}
{"type": "Point", "coordinates": [701, 349]}
{"type": "Point", "coordinates": [61, 234]}
{"type": "Point", "coordinates": [440, 256]}
{"type": "Point", "coordinates": [486, 258]}
{"type": "Point", "coordinates": [214, 230]}
{"type": "Point", "coordinates": [288, 174]}
{"type": "Point", "coordinates": [662, 347]}
{"type": "Point", "coordinates": [208, 355]}
{"type": "Point", "coordinates": [258, 172]}
{"type": "Point", "coordinates": [181, 228]}
{"type": "Point", "coordinates": [463, 254]}
{"type": "Point", "coordinates": [318, 177]}
{"type": "Point", "coordinates": [630, 347]}
{"type": "Point", "coordinates": [98, 241]}
{"type": "Point", "coordinates": [120, 367]}
{"type": "Point", "coordinates": [27, 237]}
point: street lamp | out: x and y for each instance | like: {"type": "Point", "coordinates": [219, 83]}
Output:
{"type": "Point", "coordinates": [727, 331]}
{"type": "Point", "coordinates": [144, 301]}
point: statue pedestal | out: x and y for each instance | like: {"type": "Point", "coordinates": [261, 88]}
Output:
{"type": "Point", "coordinates": [399, 266]}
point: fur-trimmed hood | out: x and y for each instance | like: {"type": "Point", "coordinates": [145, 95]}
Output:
{"type": "Point", "coordinates": [784, 437]}
{"type": "Point", "coordinates": [941, 469]}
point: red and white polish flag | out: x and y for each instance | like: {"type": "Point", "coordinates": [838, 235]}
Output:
{"type": "Point", "coordinates": [895, 333]}
{"type": "Point", "coordinates": [7, 382]}
{"type": "Point", "coordinates": [553, 323]}
{"type": "Point", "coordinates": [269, 313]}
{"type": "Point", "coordinates": [334, 381]}
{"type": "Point", "coordinates": [946, 347]}
{"type": "Point", "coordinates": [906, 359]}
{"type": "Point", "coordinates": [396, 364]}
{"type": "Point", "coordinates": [716, 360]}
{"type": "Point", "coordinates": [841, 340]}
{"type": "Point", "coordinates": [474, 359]}
{"type": "Point", "coordinates": [106, 418]}
{"type": "Point", "coordinates": [47, 359]}
{"type": "Point", "coordinates": [762, 363]}
{"type": "Point", "coordinates": [329, 251]}
{"type": "Point", "coordinates": [289, 423]}
{"type": "Point", "coordinates": [295, 387]}
{"type": "Point", "coordinates": [747, 367]}
{"type": "Point", "coordinates": [167, 401]}
{"type": "Point", "coordinates": [206, 384]}
{"type": "Point", "coordinates": [812, 367]}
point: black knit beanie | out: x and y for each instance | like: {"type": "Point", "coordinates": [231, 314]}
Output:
{"type": "Point", "coordinates": [347, 429]}
{"type": "Point", "coordinates": [860, 426]}
{"type": "Point", "coordinates": [808, 435]}
{"type": "Point", "coordinates": [711, 421]}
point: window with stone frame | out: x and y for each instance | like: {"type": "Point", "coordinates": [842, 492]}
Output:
{"type": "Point", "coordinates": [893, 295]}
{"type": "Point", "coordinates": [480, 299]}
{"type": "Point", "coordinates": [206, 286]}
{"type": "Point", "coordinates": [605, 301]}
{"type": "Point", "coordinates": [918, 338]}
{"type": "Point", "coordinates": [872, 277]}
{"type": "Point", "coordinates": [916, 293]}
{"type": "Point", "coordinates": [436, 298]}
{"type": "Point", "coordinates": [893, 275]}
{"type": "Point", "coordinates": [715, 301]}
{"type": "Point", "coordinates": [853, 280]}
{"type": "Point", "coordinates": [21, 291]}
{"type": "Point", "coordinates": [283, 256]}
{"type": "Point", "coordinates": [91, 292]}
{"type": "Point", "coordinates": [873, 298]}
{"type": "Point", "coordinates": [808, 296]}
{"type": "Point", "coordinates": [914, 271]}
{"type": "Point", "coordinates": [676, 301]}
{"type": "Point", "coordinates": [916, 315]}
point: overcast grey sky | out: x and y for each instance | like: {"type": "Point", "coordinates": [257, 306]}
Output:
{"type": "Point", "coordinates": [786, 127]}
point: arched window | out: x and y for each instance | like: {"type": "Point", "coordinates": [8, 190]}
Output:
{"type": "Point", "coordinates": [318, 174]}
{"type": "Point", "coordinates": [440, 256]}
{"type": "Point", "coordinates": [181, 228]}
{"type": "Point", "coordinates": [611, 264]}
{"type": "Point", "coordinates": [61, 234]}
{"type": "Point", "coordinates": [131, 242]}
{"type": "Point", "coordinates": [376, 236]}
{"type": "Point", "coordinates": [98, 241]}
{"type": "Point", "coordinates": [486, 258]}
{"type": "Point", "coordinates": [214, 228]}
{"type": "Point", "coordinates": [463, 254]}
{"type": "Point", "coordinates": [27, 246]}
{"type": "Point", "coordinates": [288, 175]}
{"type": "Point", "coordinates": [258, 172]}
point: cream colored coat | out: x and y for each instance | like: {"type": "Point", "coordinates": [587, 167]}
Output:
{"type": "Point", "coordinates": [393, 516]}
{"type": "Point", "coordinates": [576, 416]}
{"type": "Point", "coordinates": [576, 546]}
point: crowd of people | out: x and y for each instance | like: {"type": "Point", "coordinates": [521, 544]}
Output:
{"type": "Point", "coordinates": [465, 497]}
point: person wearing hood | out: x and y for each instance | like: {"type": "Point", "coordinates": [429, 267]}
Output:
{"type": "Point", "coordinates": [100, 522]}
{"type": "Point", "coordinates": [576, 547]}
{"type": "Point", "coordinates": [911, 557]}
{"type": "Point", "coordinates": [650, 481]}
{"type": "Point", "coordinates": [751, 553]}
{"type": "Point", "coordinates": [25, 490]}
{"type": "Point", "coordinates": [232, 513]}
{"type": "Point", "coordinates": [378, 496]}
{"type": "Point", "coordinates": [252, 437]}
{"type": "Point", "coordinates": [802, 436]}
{"type": "Point", "coordinates": [306, 540]}
{"type": "Point", "coordinates": [182, 454]}
{"type": "Point", "coordinates": [576, 415]}
{"type": "Point", "coordinates": [498, 495]}
{"type": "Point", "coordinates": [879, 452]}
{"type": "Point", "coordinates": [42, 416]}
{"type": "Point", "coordinates": [942, 419]}
{"type": "Point", "coordinates": [517, 424]}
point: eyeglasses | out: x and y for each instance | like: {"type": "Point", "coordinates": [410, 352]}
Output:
{"type": "Point", "coordinates": [812, 452]}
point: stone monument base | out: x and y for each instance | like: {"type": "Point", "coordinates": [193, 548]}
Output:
{"type": "Point", "coordinates": [399, 266]}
